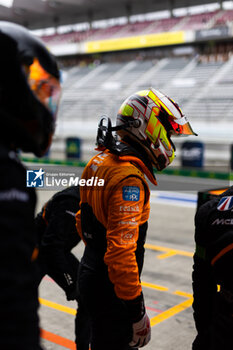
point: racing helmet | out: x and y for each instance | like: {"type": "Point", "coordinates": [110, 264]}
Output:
{"type": "Point", "coordinates": [152, 119]}
{"type": "Point", "coordinates": [29, 90]}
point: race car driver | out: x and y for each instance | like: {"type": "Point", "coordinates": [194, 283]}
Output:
{"type": "Point", "coordinates": [57, 236]}
{"type": "Point", "coordinates": [29, 95]}
{"type": "Point", "coordinates": [212, 274]}
{"type": "Point", "coordinates": [113, 217]}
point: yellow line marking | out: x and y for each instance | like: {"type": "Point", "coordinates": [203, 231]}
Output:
{"type": "Point", "coordinates": [183, 294]}
{"type": "Point", "coordinates": [154, 286]}
{"type": "Point", "coordinates": [171, 312]}
{"type": "Point", "coordinates": [58, 307]}
{"type": "Point", "coordinates": [154, 320]}
{"type": "Point", "coordinates": [167, 251]}
{"type": "Point", "coordinates": [166, 255]}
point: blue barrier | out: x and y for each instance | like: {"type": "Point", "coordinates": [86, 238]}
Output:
{"type": "Point", "coordinates": [73, 148]}
{"type": "Point", "coordinates": [192, 154]}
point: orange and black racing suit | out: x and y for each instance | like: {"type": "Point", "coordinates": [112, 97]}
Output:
{"type": "Point", "coordinates": [113, 222]}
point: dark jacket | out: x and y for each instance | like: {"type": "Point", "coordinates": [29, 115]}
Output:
{"type": "Point", "coordinates": [213, 265]}
{"type": "Point", "coordinates": [57, 236]}
{"type": "Point", "coordinates": [18, 292]}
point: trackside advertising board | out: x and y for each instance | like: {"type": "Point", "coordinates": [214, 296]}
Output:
{"type": "Point", "coordinates": [213, 33]}
{"type": "Point", "coordinates": [135, 42]}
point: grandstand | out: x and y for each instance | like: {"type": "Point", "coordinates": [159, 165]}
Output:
{"type": "Point", "coordinates": [91, 91]}
{"type": "Point", "coordinates": [94, 90]}
{"type": "Point", "coordinates": [193, 22]}
{"type": "Point", "coordinates": [201, 81]}
{"type": "Point", "coordinates": [203, 89]}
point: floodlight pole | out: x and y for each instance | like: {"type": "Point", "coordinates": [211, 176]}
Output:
{"type": "Point", "coordinates": [128, 10]}
{"type": "Point", "coordinates": [56, 21]}
{"type": "Point", "coordinates": [171, 7]}
{"type": "Point", "coordinates": [90, 17]}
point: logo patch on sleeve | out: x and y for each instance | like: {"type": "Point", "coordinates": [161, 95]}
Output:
{"type": "Point", "coordinates": [226, 203]}
{"type": "Point", "coordinates": [128, 237]}
{"type": "Point", "coordinates": [131, 193]}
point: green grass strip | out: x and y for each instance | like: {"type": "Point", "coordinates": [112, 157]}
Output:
{"type": "Point", "coordinates": [198, 173]}
{"type": "Point", "coordinates": [54, 161]}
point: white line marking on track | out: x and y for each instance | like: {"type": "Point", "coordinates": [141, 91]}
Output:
{"type": "Point", "coordinates": [174, 198]}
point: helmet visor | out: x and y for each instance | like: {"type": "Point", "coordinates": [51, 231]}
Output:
{"type": "Point", "coordinates": [181, 127]}
{"type": "Point", "coordinates": [45, 86]}
{"type": "Point", "coordinates": [178, 122]}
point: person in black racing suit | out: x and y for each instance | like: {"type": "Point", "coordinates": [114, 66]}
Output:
{"type": "Point", "coordinates": [29, 78]}
{"type": "Point", "coordinates": [213, 274]}
{"type": "Point", "coordinates": [57, 236]}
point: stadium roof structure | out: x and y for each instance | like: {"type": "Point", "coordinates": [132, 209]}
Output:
{"type": "Point", "coordinates": [37, 14]}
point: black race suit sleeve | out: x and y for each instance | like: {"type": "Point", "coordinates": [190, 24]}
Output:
{"type": "Point", "coordinates": [59, 238]}
{"type": "Point", "coordinates": [204, 286]}
{"type": "Point", "coordinates": [204, 289]}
